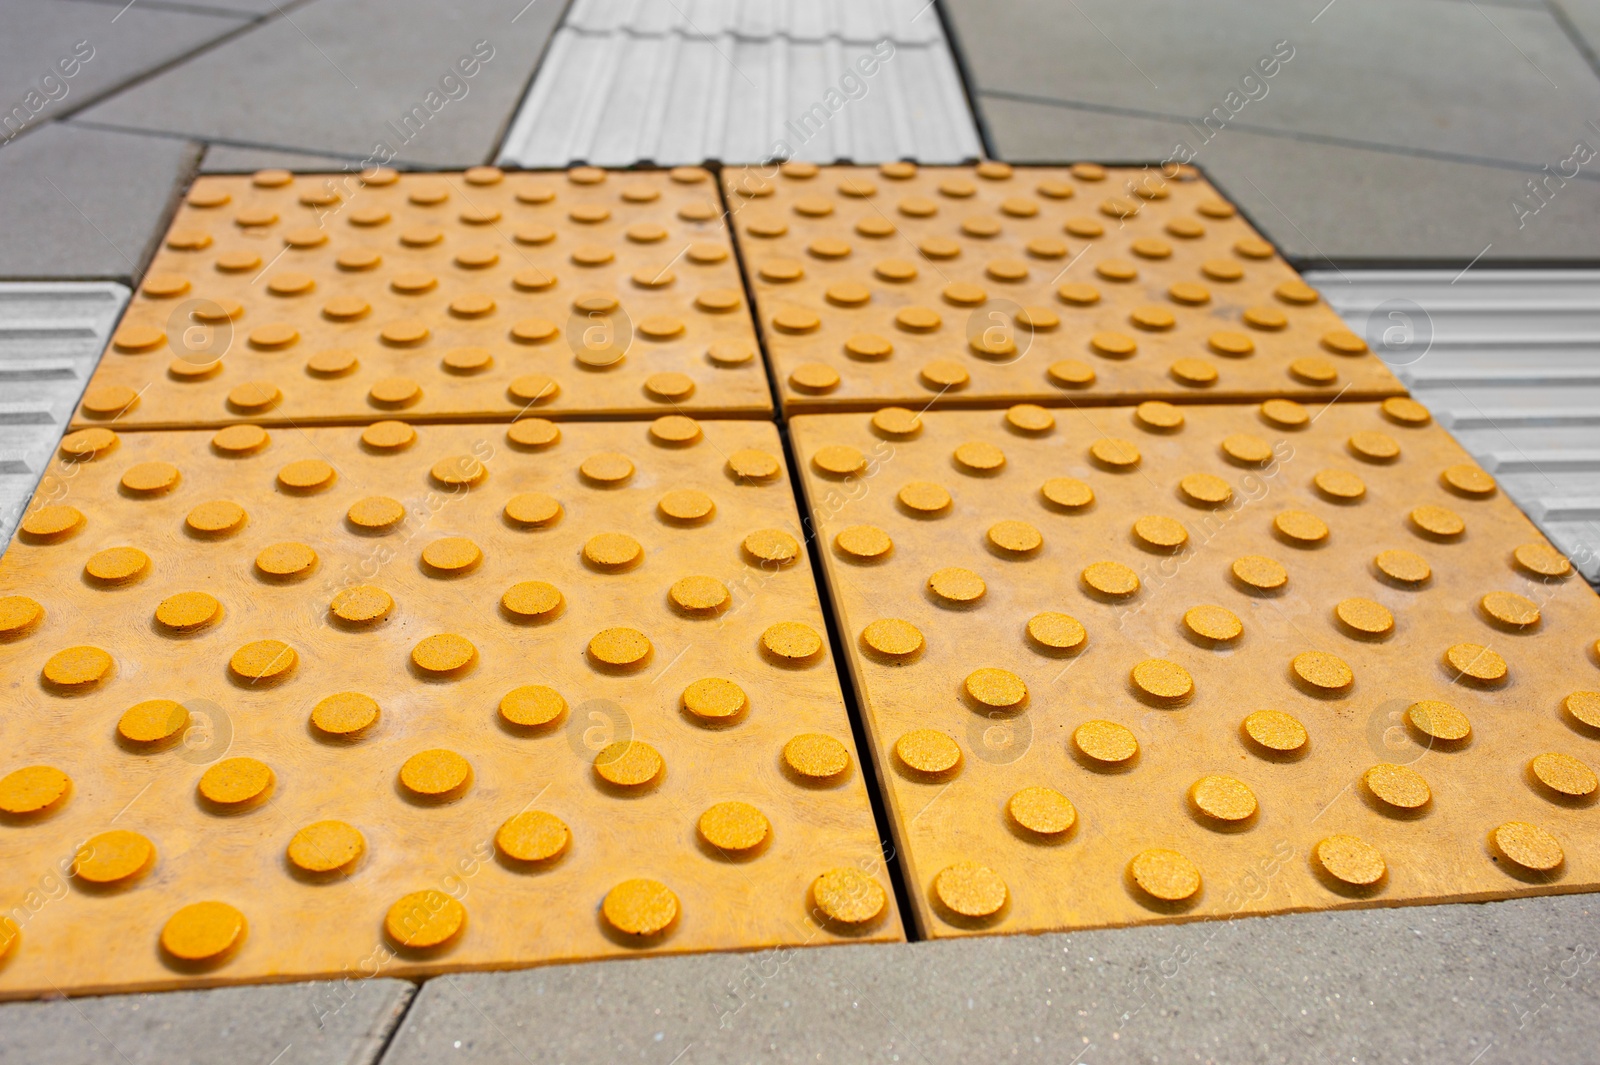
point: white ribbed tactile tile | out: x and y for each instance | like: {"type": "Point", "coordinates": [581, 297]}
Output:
{"type": "Point", "coordinates": [1509, 362]}
{"type": "Point", "coordinates": [673, 82]}
{"type": "Point", "coordinates": [51, 336]}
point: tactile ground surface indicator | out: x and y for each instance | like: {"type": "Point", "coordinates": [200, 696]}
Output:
{"type": "Point", "coordinates": [1505, 360]}
{"type": "Point", "coordinates": [984, 285]}
{"type": "Point", "coordinates": [458, 623]}
{"type": "Point", "coordinates": [737, 81]}
{"type": "Point", "coordinates": [323, 298]}
{"type": "Point", "coordinates": [51, 336]}
{"type": "Point", "coordinates": [1233, 708]}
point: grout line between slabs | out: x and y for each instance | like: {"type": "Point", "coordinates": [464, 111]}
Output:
{"type": "Point", "coordinates": [1328, 140]}
{"type": "Point", "coordinates": [767, 368]}
{"type": "Point", "coordinates": [1570, 29]}
{"type": "Point", "coordinates": [527, 86]}
{"type": "Point", "coordinates": [210, 142]}
{"type": "Point", "coordinates": [412, 996]}
{"type": "Point", "coordinates": [854, 708]}
{"type": "Point", "coordinates": [969, 84]}
{"type": "Point", "coordinates": [152, 244]}
{"type": "Point", "coordinates": [177, 5]}
{"type": "Point", "coordinates": [143, 76]}
{"type": "Point", "coordinates": [402, 164]}
{"type": "Point", "coordinates": [498, 418]}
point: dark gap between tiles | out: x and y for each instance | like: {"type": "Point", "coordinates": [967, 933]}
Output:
{"type": "Point", "coordinates": [852, 699]}
{"type": "Point", "coordinates": [854, 705]}
{"type": "Point", "coordinates": [969, 84]}
{"type": "Point", "coordinates": [1324, 139]}
{"type": "Point", "coordinates": [527, 85]}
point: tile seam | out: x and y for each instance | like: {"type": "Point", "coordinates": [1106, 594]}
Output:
{"type": "Point", "coordinates": [245, 26]}
{"type": "Point", "coordinates": [1269, 131]}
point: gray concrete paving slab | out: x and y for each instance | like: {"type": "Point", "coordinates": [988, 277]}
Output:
{"type": "Point", "coordinates": [1040, 131]}
{"type": "Point", "coordinates": [1324, 203]}
{"type": "Point", "coordinates": [229, 159]}
{"type": "Point", "coordinates": [275, 1024]}
{"type": "Point", "coordinates": [425, 83]}
{"type": "Point", "coordinates": [240, 7]}
{"type": "Point", "coordinates": [1482, 984]}
{"type": "Point", "coordinates": [1583, 17]}
{"type": "Point", "coordinates": [1432, 75]}
{"type": "Point", "coordinates": [54, 54]}
{"type": "Point", "coordinates": [86, 203]}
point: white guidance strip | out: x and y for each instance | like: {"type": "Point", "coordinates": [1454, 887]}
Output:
{"type": "Point", "coordinates": [51, 337]}
{"type": "Point", "coordinates": [1509, 362]}
{"type": "Point", "coordinates": [742, 82]}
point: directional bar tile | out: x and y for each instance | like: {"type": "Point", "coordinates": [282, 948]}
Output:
{"type": "Point", "coordinates": [338, 701]}
{"type": "Point", "coordinates": [742, 82]}
{"type": "Point", "coordinates": [327, 298]}
{"type": "Point", "coordinates": [1128, 665]}
{"type": "Point", "coordinates": [51, 336]}
{"type": "Point", "coordinates": [1505, 360]}
{"type": "Point", "coordinates": [986, 285]}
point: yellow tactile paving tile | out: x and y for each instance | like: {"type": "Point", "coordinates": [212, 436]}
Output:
{"type": "Point", "coordinates": [570, 683]}
{"type": "Point", "coordinates": [986, 285]}
{"type": "Point", "coordinates": [333, 298]}
{"type": "Point", "coordinates": [1139, 664]}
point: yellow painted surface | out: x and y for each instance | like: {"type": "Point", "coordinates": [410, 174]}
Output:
{"type": "Point", "coordinates": [1259, 722]}
{"type": "Point", "coordinates": [328, 762]}
{"type": "Point", "coordinates": [942, 286]}
{"type": "Point", "coordinates": [435, 296]}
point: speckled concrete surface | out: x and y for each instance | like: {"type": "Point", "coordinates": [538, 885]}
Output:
{"type": "Point", "coordinates": [278, 1024]}
{"type": "Point", "coordinates": [1472, 985]}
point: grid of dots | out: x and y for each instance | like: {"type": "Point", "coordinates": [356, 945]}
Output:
{"type": "Point", "coordinates": [420, 697]}
{"type": "Point", "coordinates": [325, 298]}
{"type": "Point", "coordinates": [1134, 664]}
{"type": "Point", "coordinates": [961, 286]}
{"type": "Point", "coordinates": [295, 702]}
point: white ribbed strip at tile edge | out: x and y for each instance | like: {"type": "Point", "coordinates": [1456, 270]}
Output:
{"type": "Point", "coordinates": [51, 337]}
{"type": "Point", "coordinates": [901, 21]}
{"type": "Point", "coordinates": [740, 82]}
{"type": "Point", "coordinates": [1509, 362]}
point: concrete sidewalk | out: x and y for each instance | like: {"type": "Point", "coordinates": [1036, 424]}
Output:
{"type": "Point", "coordinates": [1350, 132]}
{"type": "Point", "coordinates": [1388, 133]}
